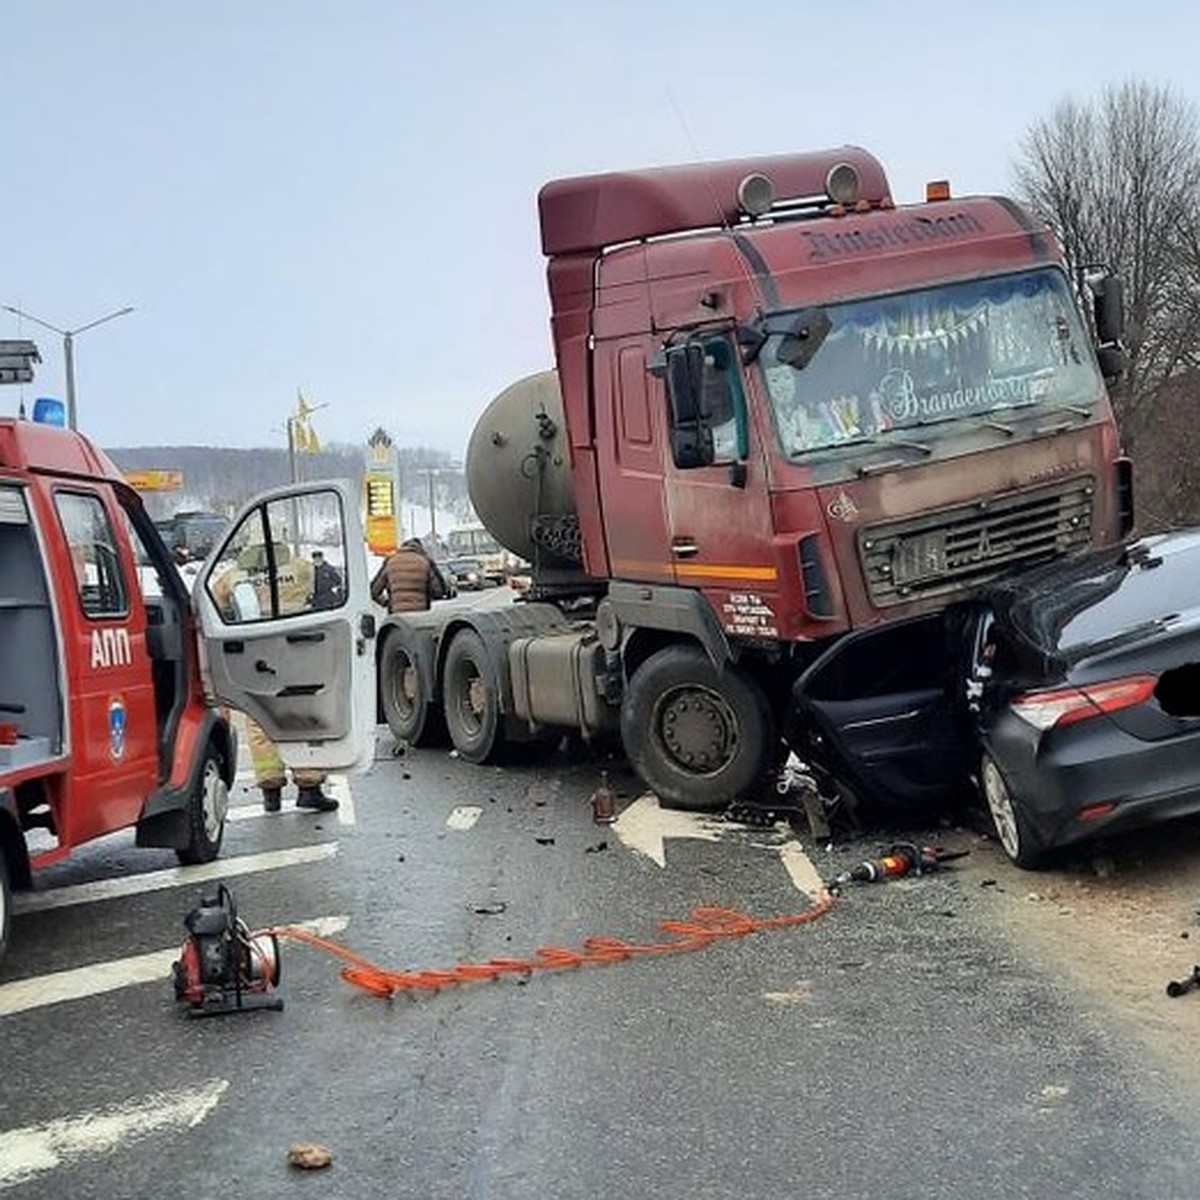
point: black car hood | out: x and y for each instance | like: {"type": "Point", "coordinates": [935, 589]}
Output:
{"type": "Point", "coordinates": [1097, 603]}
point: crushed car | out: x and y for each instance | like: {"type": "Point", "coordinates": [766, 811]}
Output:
{"type": "Point", "coordinates": [1067, 698]}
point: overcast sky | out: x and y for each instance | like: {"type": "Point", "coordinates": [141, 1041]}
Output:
{"type": "Point", "coordinates": [341, 197]}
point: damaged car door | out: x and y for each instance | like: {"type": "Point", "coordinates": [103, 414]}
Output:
{"type": "Point", "coordinates": [884, 712]}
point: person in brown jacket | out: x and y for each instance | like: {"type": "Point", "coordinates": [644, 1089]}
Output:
{"type": "Point", "coordinates": [408, 580]}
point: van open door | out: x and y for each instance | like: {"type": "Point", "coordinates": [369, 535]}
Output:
{"type": "Point", "coordinates": [288, 629]}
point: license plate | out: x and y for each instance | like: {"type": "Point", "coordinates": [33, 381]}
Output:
{"type": "Point", "coordinates": [920, 557]}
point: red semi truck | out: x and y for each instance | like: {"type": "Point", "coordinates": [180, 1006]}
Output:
{"type": "Point", "coordinates": [783, 409]}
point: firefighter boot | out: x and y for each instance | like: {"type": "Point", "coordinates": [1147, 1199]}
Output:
{"type": "Point", "coordinates": [313, 797]}
{"type": "Point", "coordinates": [271, 799]}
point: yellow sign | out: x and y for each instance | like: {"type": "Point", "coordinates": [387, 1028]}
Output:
{"type": "Point", "coordinates": [382, 533]}
{"type": "Point", "coordinates": [155, 481]}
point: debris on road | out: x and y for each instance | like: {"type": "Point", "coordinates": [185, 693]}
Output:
{"type": "Point", "coordinates": [308, 1156]}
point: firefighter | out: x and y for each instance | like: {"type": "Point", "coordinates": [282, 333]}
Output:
{"type": "Point", "coordinates": [294, 580]}
{"type": "Point", "coordinates": [409, 580]}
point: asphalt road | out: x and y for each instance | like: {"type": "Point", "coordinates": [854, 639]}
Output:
{"type": "Point", "coordinates": [976, 1032]}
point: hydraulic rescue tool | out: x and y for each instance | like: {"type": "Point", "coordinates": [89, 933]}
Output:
{"type": "Point", "coordinates": [904, 858]}
{"type": "Point", "coordinates": [222, 966]}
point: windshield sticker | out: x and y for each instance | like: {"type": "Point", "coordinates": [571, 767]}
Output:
{"type": "Point", "coordinates": [749, 614]}
{"type": "Point", "coordinates": [887, 235]}
{"type": "Point", "coordinates": [902, 401]}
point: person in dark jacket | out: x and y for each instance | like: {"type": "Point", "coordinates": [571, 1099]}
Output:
{"type": "Point", "coordinates": [409, 580]}
{"type": "Point", "coordinates": [327, 583]}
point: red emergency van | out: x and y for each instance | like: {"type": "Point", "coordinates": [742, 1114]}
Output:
{"type": "Point", "coordinates": [106, 721]}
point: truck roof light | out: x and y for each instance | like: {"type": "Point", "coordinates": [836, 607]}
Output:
{"type": "Point", "coordinates": [937, 189]}
{"type": "Point", "coordinates": [841, 184]}
{"type": "Point", "coordinates": [756, 194]}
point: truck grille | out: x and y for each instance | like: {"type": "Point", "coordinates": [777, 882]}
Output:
{"type": "Point", "coordinates": [958, 549]}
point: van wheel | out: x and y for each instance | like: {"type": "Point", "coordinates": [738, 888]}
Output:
{"type": "Point", "coordinates": [5, 903]}
{"type": "Point", "coordinates": [1013, 829]}
{"type": "Point", "coordinates": [697, 736]}
{"type": "Point", "coordinates": [471, 699]}
{"type": "Point", "coordinates": [410, 713]}
{"type": "Point", "coordinates": [206, 810]}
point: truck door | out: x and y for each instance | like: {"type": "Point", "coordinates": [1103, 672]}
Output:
{"type": "Point", "coordinates": [285, 641]}
{"type": "Point", "coordinates": [718, 506]}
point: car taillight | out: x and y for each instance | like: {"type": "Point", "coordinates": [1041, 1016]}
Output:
{"type": "Point", "coordinates": [1065, 706]}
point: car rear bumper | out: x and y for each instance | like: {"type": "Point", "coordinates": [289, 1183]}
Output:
{"type": "Point", "coordinates": [1064, 778]}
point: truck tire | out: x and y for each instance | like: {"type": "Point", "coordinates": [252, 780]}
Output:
{"type": "Point", "coordinates": [207, 807]}
{"type": "Point", "coordinates": [697, 736]}
{"type": "Point", "coordinates": [410, 713]}
{"type": "Point", "coordinates": [5, 903]}
{"type": "Point", "coordinates": [471, 699]}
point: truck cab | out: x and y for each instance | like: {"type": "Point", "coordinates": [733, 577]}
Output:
{"type": "Point", "coordinates": [111, 699]}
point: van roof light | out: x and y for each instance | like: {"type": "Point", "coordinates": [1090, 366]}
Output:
{"type": "Point", "coordinates": [756, 194]}
{"type": "Point", "coordinates": [937, 189]}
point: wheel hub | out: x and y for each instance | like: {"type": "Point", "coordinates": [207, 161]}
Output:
{"type": "Point", "coordinates": [698, 729]}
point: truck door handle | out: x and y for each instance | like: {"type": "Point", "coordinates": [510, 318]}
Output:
{"type": "Point", "coordinates": [684, 548]}
{"type": "Point", "coordinates": [263, 667]}
{"type": "Point", "coordinates": [316, 636]}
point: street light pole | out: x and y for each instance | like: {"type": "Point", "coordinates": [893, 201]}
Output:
{"type": "Point", "coordinates": [68, 336]}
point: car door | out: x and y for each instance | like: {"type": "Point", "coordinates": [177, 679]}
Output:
{"type": "Point", "coordinates": [305, 674]}
{"type": "Point", "coordinates": [885, 710]}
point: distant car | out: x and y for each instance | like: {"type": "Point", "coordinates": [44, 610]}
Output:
{"type": "Point", "coordinates": [1068, 695]}
{"type": "Point", "coordinates": [467, 574]}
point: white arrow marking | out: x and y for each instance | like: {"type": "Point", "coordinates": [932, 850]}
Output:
{"type": "Point", "coordinates": [155, 967]}
{"type": "Point", "coordinates": [644, 827]}
{"type": "Point", "coordinates": [25, 1153]}
{"type": "Point", "coordinates": [156, 881]}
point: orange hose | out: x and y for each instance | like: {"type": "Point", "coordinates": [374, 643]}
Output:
{"type": "Point", "coordinates": [707, 925]}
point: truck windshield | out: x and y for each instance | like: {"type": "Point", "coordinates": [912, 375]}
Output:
{"type": "Point", "coordinates": [958, 353]}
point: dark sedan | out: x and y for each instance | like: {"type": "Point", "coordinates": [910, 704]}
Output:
{"type": "Point", "coordinates": [1069, 696]}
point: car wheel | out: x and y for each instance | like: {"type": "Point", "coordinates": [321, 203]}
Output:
{"type": "Point", "coordinates": [207, 806]}
{"type": "Point", "coordinates": [410, 713]}
{"type": "Point", "coordinates": [1013, 829]}
{"type": "Point", "coordinates": [5, 903]}
{"type": "Point", "coordinates": [471, 699]}
{"type": "Point", "coordinates": [697, 736]}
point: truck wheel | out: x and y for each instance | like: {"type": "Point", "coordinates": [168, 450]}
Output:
{"type": "Point", "coordinates": [471, 699]}
{"type": "Point", "coordinates": [207, 806]}
{"type": "Point", "coordinates": [1018, 838]}
{"type": "Point", "coordinates": [697, 736]}
{"type": "Point", "coordinates": [410, 713]}
{"type": "Point", "coordinates": [5, 903]}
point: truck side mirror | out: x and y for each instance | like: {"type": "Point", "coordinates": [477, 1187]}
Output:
{"type": "Point", "coordinates": [1109, 310]}
{"type": "Point", "coordinates": [685, 382]}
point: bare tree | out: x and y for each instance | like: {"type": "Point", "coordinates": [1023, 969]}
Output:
{"type": "Point", "coordinates": [1119, 182]}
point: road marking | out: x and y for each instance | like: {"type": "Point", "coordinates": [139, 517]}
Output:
{"type": "Point", "coordinates": [35, 1149]}
{"type": "Point", "coordinates": [800, 867]}
{"type": "Point", "coordinates": [156, 881]}
{"type": "Point", "coordinates": [339, 789]}
{"type": "Point", "coordinates": [645, 826]}
{"type": "Point", "coordinates": [464, 816]}
{"type": "Point", "coordinates": [155, 967]}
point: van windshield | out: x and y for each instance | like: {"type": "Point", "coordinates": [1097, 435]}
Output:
{"type": "Point", "coordinates": [946, 354]}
